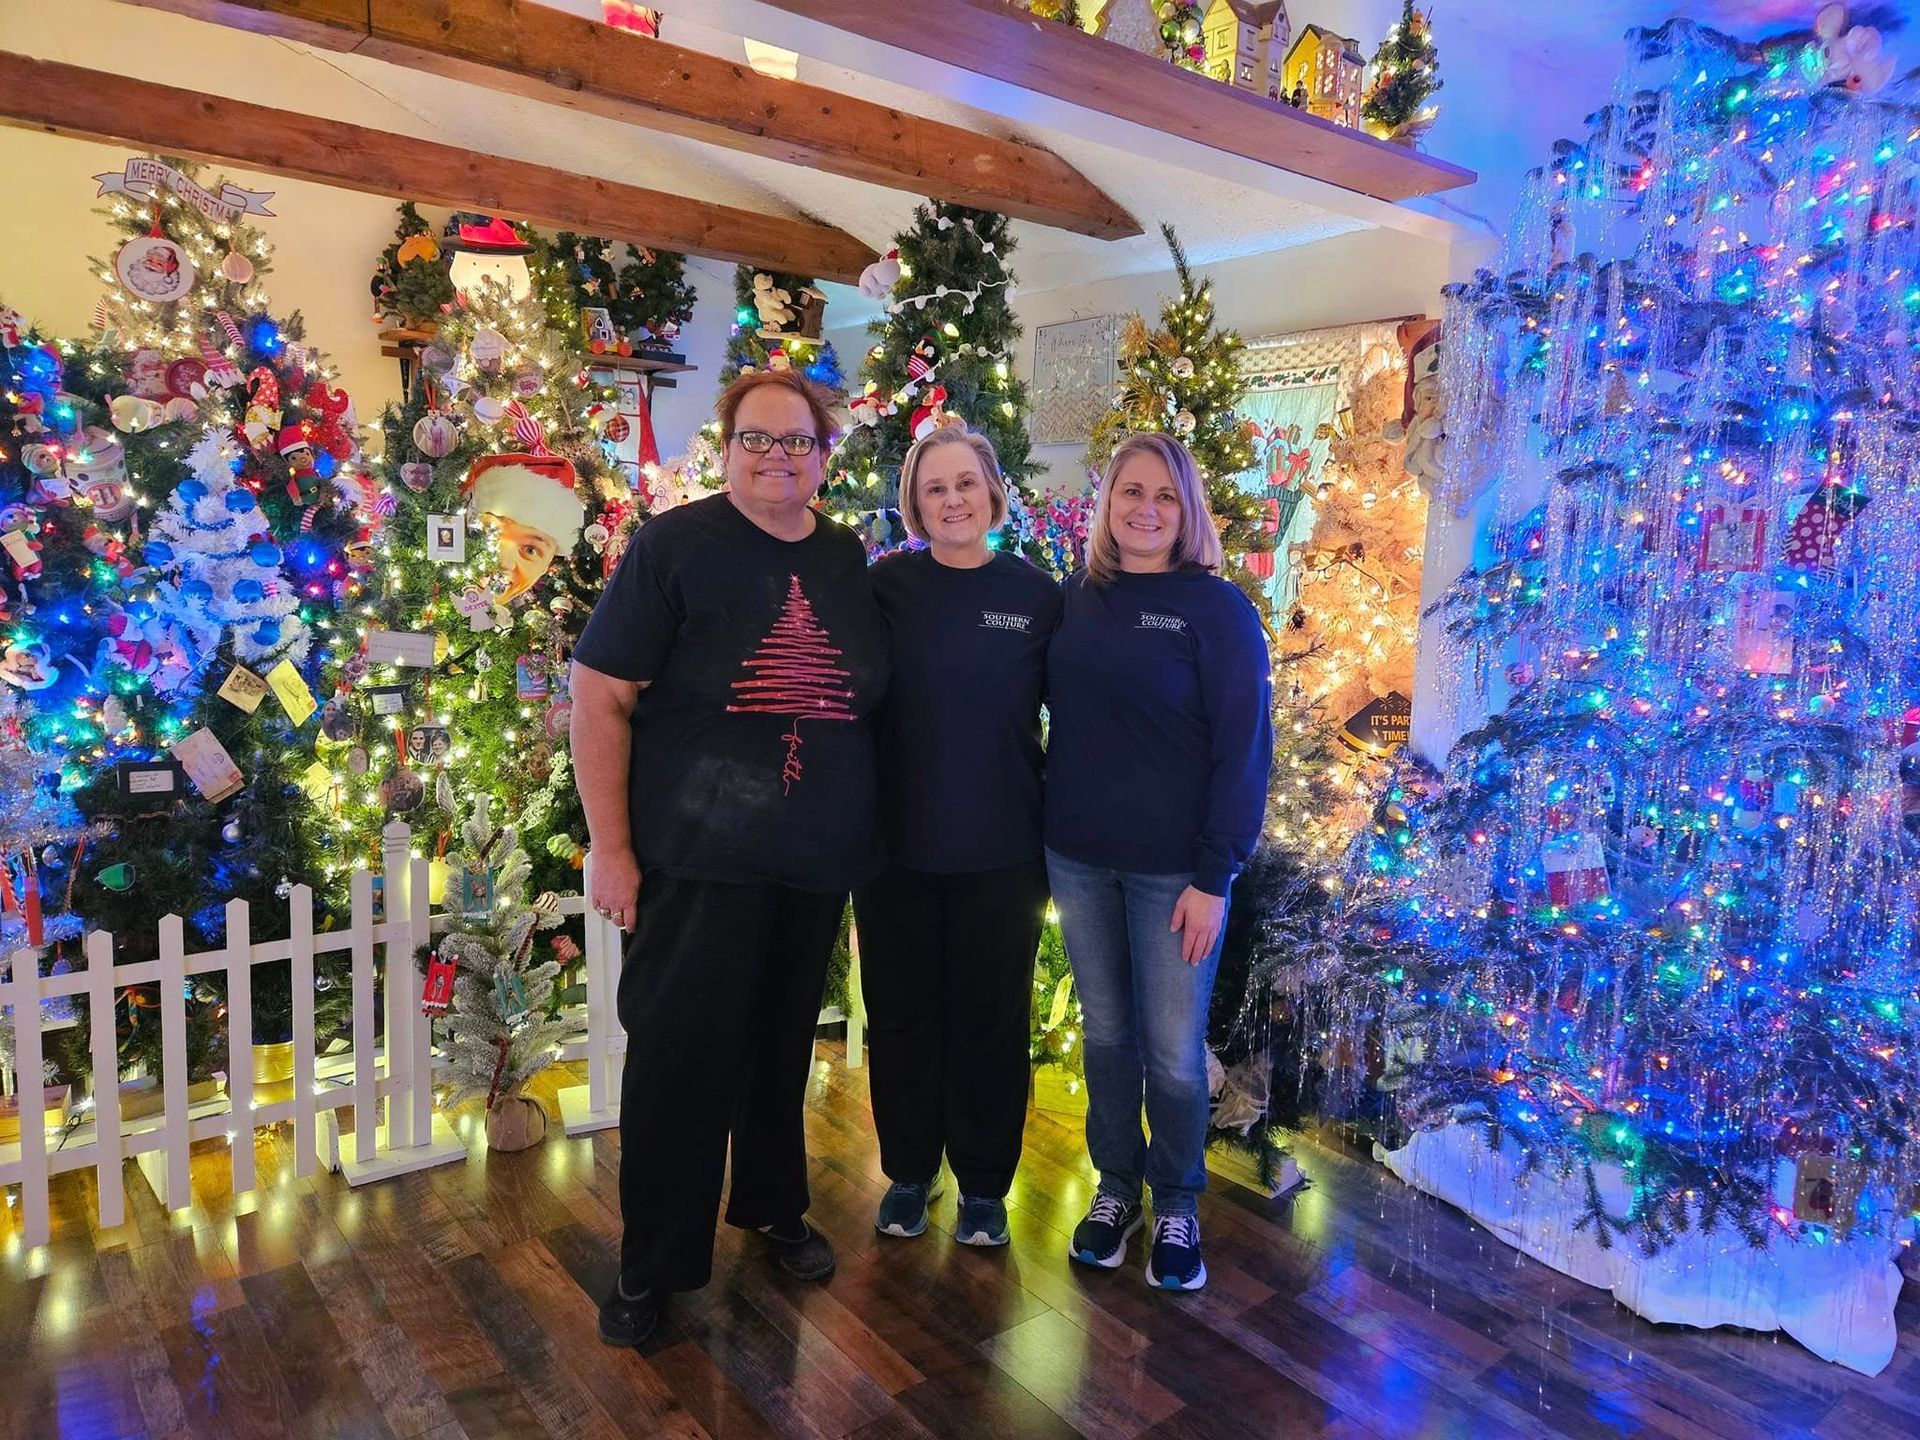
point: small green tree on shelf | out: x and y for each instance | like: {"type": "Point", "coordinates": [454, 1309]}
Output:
{"type": "Point", "coordinates": [1406, 67]}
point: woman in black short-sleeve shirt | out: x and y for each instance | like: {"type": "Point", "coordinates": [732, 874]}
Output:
{"type": "Point", "coordinates": [722, 747]}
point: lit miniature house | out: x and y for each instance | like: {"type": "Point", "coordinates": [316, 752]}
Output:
{"type": "Point", "coordinates": [1246, 40]}
{"type": "Point", "coordinates": [1329, 69]}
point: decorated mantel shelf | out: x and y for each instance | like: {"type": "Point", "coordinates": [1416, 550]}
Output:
{"type": "Point", "coordinates": [993, 39]}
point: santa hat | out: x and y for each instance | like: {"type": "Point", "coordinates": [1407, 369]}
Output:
{"type": "Point", "coordinates": [293, 437]}
{"type": "Point", "coordinates": [495, 237]}
{"type": "Point", "coordinates": [535, 490]}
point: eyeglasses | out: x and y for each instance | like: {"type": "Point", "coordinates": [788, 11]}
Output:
{"type": "Point", "coordinates": [758, 442]}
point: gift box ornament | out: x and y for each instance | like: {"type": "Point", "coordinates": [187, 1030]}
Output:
{"type": "Point", "coordinates": [1576, 868]}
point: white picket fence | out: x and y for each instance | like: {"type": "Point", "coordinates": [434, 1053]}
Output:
{"type": "Point", "coordinates": [387, 1081]}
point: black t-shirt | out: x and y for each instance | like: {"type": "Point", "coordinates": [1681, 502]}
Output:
{"type": "Point", "coordinates": [752, 746]}
{"type": "Point", "coordinates": [960, 729]}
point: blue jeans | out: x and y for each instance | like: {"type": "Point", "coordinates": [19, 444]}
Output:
{"type": "Point", "coordinates": [1145, 1013]}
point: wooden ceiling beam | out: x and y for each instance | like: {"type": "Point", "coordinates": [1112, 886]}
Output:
{"type": "Point", "coordinates": [93, 105]}
{"type": "Point", "coordinates": [519, 47]}
{"type": "Point", "coordinates": [991, 38]}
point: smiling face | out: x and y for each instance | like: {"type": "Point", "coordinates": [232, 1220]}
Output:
{"type": "Point", "coordinates": [954, 500]}
{"type": "Point", "coordinates": [775, 481]}
{"type": "Point", "coordinates": [525, 555]}
{"type": "Point", "coordinates": [1144, 513]}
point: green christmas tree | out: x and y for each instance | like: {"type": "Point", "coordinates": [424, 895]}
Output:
{"type": "Point", "coordinates": [507, 515]}
{"type": "Point", "coordinates": [944, 348]}
{"type": "Point", "coordinates": [1184, 380]}
{"type": "Point", "coordinates": [1406, 71]}
{"type": "Point", "coordinates": [647, 296]}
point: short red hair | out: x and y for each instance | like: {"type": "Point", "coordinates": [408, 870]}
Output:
{"type": "Point", "coordinates": [820, 400]}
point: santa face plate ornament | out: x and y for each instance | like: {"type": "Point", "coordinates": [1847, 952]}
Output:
{"type": "Point", "coordinates": [155, 269]}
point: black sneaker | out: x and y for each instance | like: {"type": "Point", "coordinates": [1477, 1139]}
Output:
{"type": "Point", "coordinates": [807, 1257]}
{"type": "Point", "coordinates": [904, 1211]}
{"type": "Point", "coordinates": [1174, 1261]}
{"type": "Point", "coordinates": [628, 1322]}
{"type": "Point", "coordinates": [983, 1221]}
{"type": "Point", "coordinates": [1101, 1238]}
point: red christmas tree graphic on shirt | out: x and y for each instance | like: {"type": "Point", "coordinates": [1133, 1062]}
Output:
{"type": "Point", "coordinates": [793, 673]}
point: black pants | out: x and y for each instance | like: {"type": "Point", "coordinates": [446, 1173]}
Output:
{"type": "Point", "coordinates": [946, 967]}
{"type": "Point", "coordinates": [719, 994]}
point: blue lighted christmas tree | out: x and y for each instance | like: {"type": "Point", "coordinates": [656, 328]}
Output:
{"type": "Point", "coordinates": [1656, 920]}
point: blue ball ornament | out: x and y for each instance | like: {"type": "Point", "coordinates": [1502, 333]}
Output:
{"type": "Point", "coordinates": [198, 592]}
{"type": "Point", "coordinates": [264, 552]}
{"type": "Point", "coordinates": [159, 552]}
{"type": "Point", "coordinates": [239, 500]}
{"type": "Point", "coordinates": [192, 491]}
{"type": "Point", "coordinates": [267, 633]}
{"type": "Point", "coordinates": [249, 592]}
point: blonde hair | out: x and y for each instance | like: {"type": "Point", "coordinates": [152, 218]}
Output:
{"type": "Point", "coordinates": [1198, 542]}
{"type": "Point", "coordinates": [949, 435]}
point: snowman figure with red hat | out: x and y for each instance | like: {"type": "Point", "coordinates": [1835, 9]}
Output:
{"type": "Point", "coordinates": [536, 510]}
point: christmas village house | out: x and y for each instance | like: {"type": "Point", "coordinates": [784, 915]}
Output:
{"type": "Point", "coordinates": [1246, 44]}
{"type": "Point", "coordinates": [1325, 74]}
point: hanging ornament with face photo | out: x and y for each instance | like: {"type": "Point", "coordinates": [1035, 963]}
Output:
{"type": "Point", "coordinates": [155, 269]}
{"type": "Point", "coordinates": [535, 508]}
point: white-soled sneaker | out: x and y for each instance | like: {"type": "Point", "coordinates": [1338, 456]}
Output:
{"type": "Point", "coordinates": [1173, 1262]}
{"type": "Point", "coordinates": [1101, 1238]}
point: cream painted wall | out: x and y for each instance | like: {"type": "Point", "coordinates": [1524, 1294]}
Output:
{"type": "Point", "coordinates": [325, 244]}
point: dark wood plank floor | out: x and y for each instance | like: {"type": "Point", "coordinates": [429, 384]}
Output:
{"type": "Point", "coordinates": [460, 1302]}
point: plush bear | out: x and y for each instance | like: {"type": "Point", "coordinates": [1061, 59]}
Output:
{"type": "Point", "coordinates": [1854, 59]}
{"type": "Point", "coordinates": [771, 303]}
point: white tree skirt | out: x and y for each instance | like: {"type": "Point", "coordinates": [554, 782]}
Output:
{"type": "Point", "coordinates": [1836, 1298]}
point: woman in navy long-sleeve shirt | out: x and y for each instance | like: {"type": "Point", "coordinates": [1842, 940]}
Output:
{"type": "Point", "coordinates": [1159, 689]}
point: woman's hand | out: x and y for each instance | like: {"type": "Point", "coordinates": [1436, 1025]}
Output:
{"type": "Point", "coordinates": [615, 892]}
{"type": "Point", "coordinates": [1201, 915]}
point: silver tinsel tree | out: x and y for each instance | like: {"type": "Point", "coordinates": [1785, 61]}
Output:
{"type": "Point", "coordinates": [500, 1031]}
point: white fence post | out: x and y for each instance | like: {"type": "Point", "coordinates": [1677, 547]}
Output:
{"type": "Point", "coordinates": [596, 1105]}
{"type": "Point", "coordinates": [366, 1085]}
{"type": "Point", "coordinates": [396, 844]}
{"type": "Point", "coordinates": [36, 1214]}
{"type": "Point", "coordinates": [173, 1061]}
{"type": "Point", "coordinates": [240, 1043]}
{"type": "Point", "coordinates": [109, 1153]}
{"type": "Point", "coordinates": [406, 979]}
{"type": "Point", "coordinates": [300, 931]}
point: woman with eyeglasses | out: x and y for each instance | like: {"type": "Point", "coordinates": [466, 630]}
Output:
{"type": "Point", "coordinates": [721, 744]}
{"type": "Point", "coordinates": [948, 931]}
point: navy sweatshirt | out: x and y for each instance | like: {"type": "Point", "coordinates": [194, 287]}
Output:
{"type": "Point", "coordinates": [1160, 696]}
{"type": "Point", "coordinates": [960, 728]}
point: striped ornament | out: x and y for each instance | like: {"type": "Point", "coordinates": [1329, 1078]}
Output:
{"type": "Point", "coordinates": [526, 429]}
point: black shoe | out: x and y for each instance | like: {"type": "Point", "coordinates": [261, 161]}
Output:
{"type": "Point", "coordinates": [903, 1211]}
{"type": "Point", "coordinates": [808, 1257]}
{"type": "Point", "coordinates": [628, 1322]}
{"type": "Point", "coordinates": [1174, 1261]}
{"type": "Point", "coordinates": [1101, 1238]}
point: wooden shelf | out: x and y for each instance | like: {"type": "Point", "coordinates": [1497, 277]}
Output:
{"type": "Point", "coordinates": [656, 365]}
{"type": "Point", "coordinates": [989, 37]}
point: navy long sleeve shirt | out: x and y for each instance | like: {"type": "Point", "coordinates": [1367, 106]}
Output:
{"type": "Point", "coordinates": [1160, 694]}
{"type": "Point", "coordinates": [960, 729]}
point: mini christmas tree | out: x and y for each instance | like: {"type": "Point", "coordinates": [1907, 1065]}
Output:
{"type": "Point", "coordinates": [944, 349]}
{"type": "Point", "coordinates": [1406, 75]}
{"type": "Point", "coordinates": [1182, 380]}
{"type": "Point", "coordinates": [500, 1030]}
{"type": "Point", "coordinates": [792, 673]}
{"type": "Point", "coordinates": [410, 284]}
